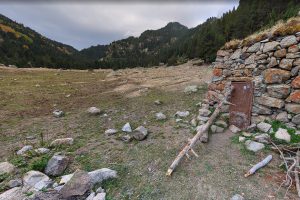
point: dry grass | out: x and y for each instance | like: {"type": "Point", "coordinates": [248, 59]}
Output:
{"type": "Point", "coordinates": [281, 28]}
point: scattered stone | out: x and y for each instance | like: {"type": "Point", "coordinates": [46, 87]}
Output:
{"type": "Point", "coordinates": [24, 150]}
{"type": "Point", "coordinates": [246, 134]}
{"type": "Point", "coordinates": [191, 89]}
{"type": "Point", "coordinates": [157, 102]}
{"type": "Point", "coordinates": [126, 138]}
{"type": "Point", "coordinates": [216, 129]}
{"type": "Point", "coordinates": [57, 165]}
{"type": "Point", "coordinates": [62, 141]}
{"type": "Point", "coordinates": [221, 123]}
{"type": "Point", "coordinates": [237, 197]}
{"type": "Point", "coordinates": [263, 138]}
{"type": "Point", "coordinates": [178, 120]}
{"type": "Point", "coordinates": [160, 116]}
{"type": "Point", "coordinates": [127, 128]}
{"type": "Point", "coordinates": [290, 125]}
{"type": "Point", "coordinates": [78, 185]}
{"type": "Point", "coordinates": [13, 194]}
{"type": "Point", "coordinates": [283, 117]}
{"type": "Point", "coordinates": [283, 134]}
{"type": "Point", "coordinates": [202, 119]}
{"type": "Point", "coordinates": [42, 150]}
{"type": "Point", "coordinates": [58, 113]}
{"type": "Point", "coordinates": [110, 132]}
{"type": "Point", "coordinates": [140, 133]}
{"type": "Point", "coordinates": [194, 122]}
{"type": "Point", "coordinates": [94, 111]}
{"type": "Point", "coordinates": [296, 119]}
{"type": "Point", "coordinates": [100, 196]}
{"type": "Point", "coordinates": [14, 183]}
{"type": "Point", "coordinates": [251, 128]}
{"type": "Point", "coordinates": [204, 112]}
{"type": "Point", "coordinates": [234, 129]}
{"type": "Point", "coordinates": [254, 146]}
{"type": "Point", "coordinates": [288, 41]}
{"type": "Point", "coordinates": [36, 180]}
{"type": "Point", "coordinates": [182, 113]}
{"type": "Point", "coordinates": [100, 175]}
{"type": "Point", "coordinates": [7, 168]}
{"type": "Point", "coordinates": [264, 127]}
{"type": "Point", "coordinates": [242, 139]}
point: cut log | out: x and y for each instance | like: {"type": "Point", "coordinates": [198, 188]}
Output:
{"type": "Point", "coordinates": [200, 132]}
{"type": "Point", "coordinates": [259, 165]}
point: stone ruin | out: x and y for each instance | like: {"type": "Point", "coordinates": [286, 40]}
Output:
{"type": "Point", "coordinates": [271, 66]}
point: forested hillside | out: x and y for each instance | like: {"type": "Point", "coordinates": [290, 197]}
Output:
{"type": "Point", "coordinates": [172, 44]}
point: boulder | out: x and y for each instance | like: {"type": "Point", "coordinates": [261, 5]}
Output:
{"type": "Point", "coordinates": [61, 142]}
{"type": "Point", "coordinates": [100, 175]}
{"type": "Point", "coordinates": [58, 113]}
{"type": "Point", "coordinates": [204, 112]}
{"type": "Point", "coordinates": [269, 101]}
{"type": "Point", "coordinates": [296, 119]}
{"type": "Point", "coordinates": [288, 41]}
{"type": "Point", "coordinates": [262, 138]}
{"type": "Point", "coordinates": [182, 113]}
{"type": "Point", "coordinates": [36, 180]}
{"type": "Point", "coordinates": [278, 91]}
{"type": "Point", "coordinates": [264, 127]}
{"type": "Point", "coordinates": [78, 185]}
{"type": "Point", "coordinates": [270, 46]}
{"type": "Point", "coordinates": [281, 53]}
{"type": "Point", "coordinates": [254, 48]}
{"type": "Point", "coordinates": [13, 194]}
{"type": "Point", "coordinates": [160, 116]}
{"type": "Point", "coordinates": [283, 117]}
{"type": "Point", "coordinates": [254, 146]}
{"type": "Point", "coordinates": [57, 165]}
{"type": "Point", "coordinates": [294, 97]}
{"type": "Point", "coordinates": [110, 132]}
{"type": "Point", "coordinates": [293, 108]}
{"type": "Point", "coordinates": [24, 150]}
{"type": "Point", "coordinates": [93, 111]}
{"type": "Point", "coordinates": [296, 83]}
{"type": "Point", "coordinates": [283, 134]}
{"type": "Point", "coordinates": [7, 168]}
{"type": "Point", "coordinates": [140, 133]}
{"type": "Point", "coordinates": [127, 128]}
{"type": "Point", "coordinates": [234, 129]}
{"type": "Point", "coordinates": [42, 150]}
{"type": "Point", "coordinates": [14, 183]}
{"type": "Point", "coordinates": [286, 64]}
{"type": "Point", "coordinates": [276, 75]}
{"type": "Point", "coordinates": [191, 89]}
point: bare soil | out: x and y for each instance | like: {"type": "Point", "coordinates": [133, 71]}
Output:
{"type": "Point", "coordinates": [28, 97]}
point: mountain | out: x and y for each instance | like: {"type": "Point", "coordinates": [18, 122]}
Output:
{"type": "Point", "coordinates": [172, 44]}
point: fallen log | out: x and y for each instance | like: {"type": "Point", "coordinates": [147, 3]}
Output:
{"type": "Point", "coordinates": [259, 165]}
{"type": "Point", "coordinates": [200, 132]}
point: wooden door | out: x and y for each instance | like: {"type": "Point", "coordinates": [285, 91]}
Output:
{"type": "Point", "coordinates": [242, 98]}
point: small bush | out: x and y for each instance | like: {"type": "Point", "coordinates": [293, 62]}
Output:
{"type": "Point", "coordinates": [39, 164]}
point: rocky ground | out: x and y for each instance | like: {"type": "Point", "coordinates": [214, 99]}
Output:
{"type": "Point", "coordinates": [30, 96]}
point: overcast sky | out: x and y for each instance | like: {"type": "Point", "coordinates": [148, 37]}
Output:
{"type": "Point", "coordinates": [84, 24]}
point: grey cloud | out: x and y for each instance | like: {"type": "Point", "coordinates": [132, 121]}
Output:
{"type": "Point", "coordinates": [82, 25]}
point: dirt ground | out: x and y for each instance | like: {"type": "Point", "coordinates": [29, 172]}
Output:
{"type": "Point", "coordinates": [28, 97]}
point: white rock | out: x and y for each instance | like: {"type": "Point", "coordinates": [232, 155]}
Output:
{"type": "Point", "coordinates": [237, 197]}
{"type": "Point", "coordinates": [6, 168]}
{"type": "Point", "coordinates": [94, 111]}
{"type": "Point", "coordinates": [182, 113]}
{"type": "Point", "coordinates": [62, 141]}
{"type": "Point", "coordinates": [178, 120]}
{"type": "Point", "coordinates": [58, 113]}
{"type": "Point", "coordinates": [204, 112]}
{"type": "Point", "coordinates": [127, 128]}
{"type": "Point", "coordinates": [242, 139]}
{"type": "Point", "coordinates": [191, 89]}
{"type": "Point", "coordinates": [100, 196]}
{"type": "Point", "coordinates": [234, 129]}
{"type": "Point", "coordinates": [263, 138]}
{"type": "Point", "coordinates": [36, 180]}
{"type": "Point", "coordinates": [100, 175]}
{"type": "Point", "coordinates": [157, 102]}
{"type": "Point", "coordinates": [110, 131]}
{"type": "Point", "coordinates": [264, 127]}
{"type": "Point", "coordinates": [91, 196]}
{"type": "Point", "coordinates": [283, 134]}
{"type": "Point", "coordinates": [160, 116]}
{"type": "Point", "coordinates": [24, 149]}
{"type": "Point", "coordinates": [254, 146]}
{"type": "Point", "coordinates": [42, 150]}
{"type": "Point", "coordinates": [246, 134]}
{"type": "Point", "coordinates": [100, 190]}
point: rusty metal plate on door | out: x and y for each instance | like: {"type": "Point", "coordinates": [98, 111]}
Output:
{"type": "Point", "coordinates": [242, 98]}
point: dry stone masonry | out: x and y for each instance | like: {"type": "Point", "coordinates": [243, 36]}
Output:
{"type": "Point", "coordinates": [273, 66]}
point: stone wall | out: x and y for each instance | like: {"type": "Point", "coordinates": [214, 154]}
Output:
{"type": "Point", "coordinates": [273, 65]}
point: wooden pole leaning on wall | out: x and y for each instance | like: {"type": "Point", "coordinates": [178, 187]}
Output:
{"type": "Point", "coordinates": [204, 128]}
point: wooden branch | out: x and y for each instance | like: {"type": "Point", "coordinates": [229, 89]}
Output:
{"type": "Point", "coordinates": [297, 172]}
{"type": "Point", "coordinates": [259, 165]}
{"type": "Point", "coordinates": [204, 128]}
